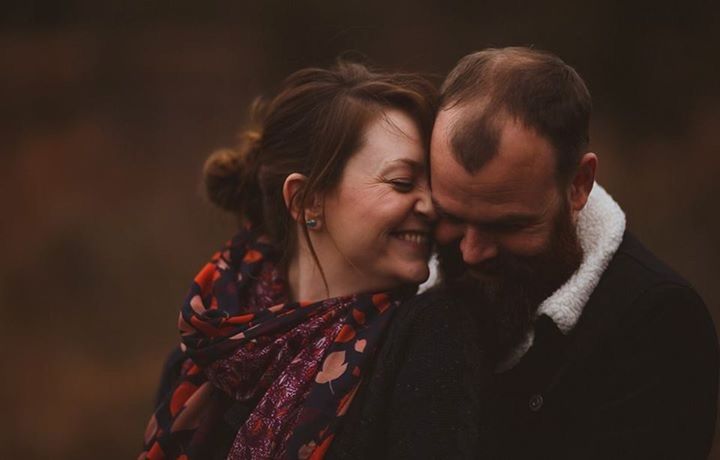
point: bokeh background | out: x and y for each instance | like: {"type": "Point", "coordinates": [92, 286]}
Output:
{"type": "Point", "coordinates": [108, 109]}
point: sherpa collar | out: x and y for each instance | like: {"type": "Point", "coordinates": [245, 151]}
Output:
{"type": "Point", "coordinates": [600, 228]}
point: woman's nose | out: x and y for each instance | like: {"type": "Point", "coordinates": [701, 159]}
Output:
{"type": "Point", "coordinates": [424, 204]}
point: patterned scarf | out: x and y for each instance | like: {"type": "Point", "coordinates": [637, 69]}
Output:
{"type": "Point", "coordinates": [303, 361]}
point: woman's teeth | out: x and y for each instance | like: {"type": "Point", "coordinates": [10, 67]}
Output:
{"type": "Point", "coordinates": [413, 237]}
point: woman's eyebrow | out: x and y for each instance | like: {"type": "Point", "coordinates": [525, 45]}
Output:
{"type": "Point", "coordinates": [415, 165]}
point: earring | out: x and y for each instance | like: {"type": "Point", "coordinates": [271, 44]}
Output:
{"type": "Point", "coordinates": [311, 223]}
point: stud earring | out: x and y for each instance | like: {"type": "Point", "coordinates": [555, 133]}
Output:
{"type": "Point", "coordinates": [311, 223]}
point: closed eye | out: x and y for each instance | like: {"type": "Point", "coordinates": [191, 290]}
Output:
{"type": "Point", "coordinates": [503, 227]}
{"type": "Point", "coordinates": [402, 186]}
{"type": "Point", "coordinates": [510, 225]}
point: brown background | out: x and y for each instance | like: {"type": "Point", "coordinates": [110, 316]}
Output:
{"type": "Point", "coordinates": [108, 112]}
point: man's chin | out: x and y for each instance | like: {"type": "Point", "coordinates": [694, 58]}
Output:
{"type": "Point", "coordinates": [502, 309]}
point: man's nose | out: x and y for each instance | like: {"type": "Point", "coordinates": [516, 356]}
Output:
{"type": "Point", "coordinates": [477, 246]}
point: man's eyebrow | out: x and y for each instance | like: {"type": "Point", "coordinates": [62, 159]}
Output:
{"type": "Point", "coordinates": [512, 219]}
{"type": "Point", "coordinates": [508, 219]}
{"type": "Point", "coordinates": [515, 218]}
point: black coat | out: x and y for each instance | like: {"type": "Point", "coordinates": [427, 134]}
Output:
{"type": "Point", "coordinates": [636, 378]}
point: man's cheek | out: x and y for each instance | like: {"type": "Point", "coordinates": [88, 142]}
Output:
{"type": "Point", "coordinates": [526, 245]}
{"type": "Point", "coordinates": [445, 232]}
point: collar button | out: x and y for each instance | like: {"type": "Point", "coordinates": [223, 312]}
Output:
{"type": "Point", "coordinates": [536, 402]}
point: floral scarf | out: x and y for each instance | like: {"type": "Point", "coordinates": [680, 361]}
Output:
{"type": "Point", "coordinates": [302, 361]}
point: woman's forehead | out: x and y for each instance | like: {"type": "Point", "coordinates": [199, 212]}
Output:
{"type": "Point", "coordinates": [390, 140]}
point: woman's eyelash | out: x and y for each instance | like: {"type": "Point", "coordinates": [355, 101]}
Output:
{"type": "Point", "coordinates": [402, 185]}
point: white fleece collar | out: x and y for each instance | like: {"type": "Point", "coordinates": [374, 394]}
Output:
{"type": "Point", "coordinates": [600, 229]}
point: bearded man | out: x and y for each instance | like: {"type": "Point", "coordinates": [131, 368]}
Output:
{"type": "Point", "coordinates": [598, 349]}
{"type": "Point", "coordinates": [554, 333]}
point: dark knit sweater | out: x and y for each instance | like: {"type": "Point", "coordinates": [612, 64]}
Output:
{"type": "Point", "coordinates": [424, 397]}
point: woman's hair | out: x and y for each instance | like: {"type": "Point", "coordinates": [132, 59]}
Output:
{"type": "Point", "coordinates": [313, 126]}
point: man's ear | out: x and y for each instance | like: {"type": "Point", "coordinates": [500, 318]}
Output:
{"type": "Point", "coordinates": [582, 182]}
{"type": "Point", "coordinates": [293, 184]}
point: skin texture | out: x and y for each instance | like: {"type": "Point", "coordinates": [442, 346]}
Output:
{"type": "Point", "coordinates": [383, 194]}
{"type": "Point", "coordinates": [506, 233]}
{"type": "Point", "coordinates": [509, 205]}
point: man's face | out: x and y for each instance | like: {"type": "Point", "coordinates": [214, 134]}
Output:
{"type": "Point", "coordinates": [506, 231]}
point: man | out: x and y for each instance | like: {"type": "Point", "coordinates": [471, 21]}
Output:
{"type": "Point", "coordinates": [598, 349]}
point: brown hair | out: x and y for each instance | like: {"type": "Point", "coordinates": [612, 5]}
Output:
{"type": "Point", "coordinates": [535, 87]}
{"type": "Point", "coordinates": [313, 126]}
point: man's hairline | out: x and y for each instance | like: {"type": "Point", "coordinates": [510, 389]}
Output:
{"type": "Point", "coordinates": [460, 107]}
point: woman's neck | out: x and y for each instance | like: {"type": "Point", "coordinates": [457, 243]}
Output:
{"type": "Point", "coordinates": [306, 281]}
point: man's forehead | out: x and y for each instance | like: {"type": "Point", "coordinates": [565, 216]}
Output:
{"type": "Point", "coordinates": [478, 200]}
{"type": "Point", "coordinates": [518, 142]}
{"type": "Point", "coordinates": [520, 174]}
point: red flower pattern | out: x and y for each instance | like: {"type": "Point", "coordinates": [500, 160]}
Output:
{"type": "Point", "coordinates": [303, 361]}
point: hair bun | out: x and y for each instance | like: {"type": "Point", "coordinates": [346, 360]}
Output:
{"type": "Point", "coordinates": [223, 177]}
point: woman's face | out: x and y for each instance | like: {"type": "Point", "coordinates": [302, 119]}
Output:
{"type": "Point", "coordinates": [379, 216]}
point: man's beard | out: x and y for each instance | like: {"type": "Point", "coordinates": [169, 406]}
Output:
{"type": "Point", "coordinates": [506, 291]}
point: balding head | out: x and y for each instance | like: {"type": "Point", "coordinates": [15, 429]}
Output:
{"type": "Point", "coordinates": [489, 88]}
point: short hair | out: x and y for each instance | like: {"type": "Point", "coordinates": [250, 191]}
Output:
{"type": "Point", "coordinates": [534, 87]}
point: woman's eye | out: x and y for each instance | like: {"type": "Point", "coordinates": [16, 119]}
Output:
{"type": "Point", "coordinates": [402, 185]}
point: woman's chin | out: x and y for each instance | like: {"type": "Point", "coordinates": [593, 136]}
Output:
{"type": "Point", "coordinates": [398, 276]}
{"type": "Point", "coordinates": [415, 274]}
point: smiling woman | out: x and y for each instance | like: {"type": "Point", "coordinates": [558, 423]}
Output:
{"type": "Point", "coordinates": [280, 328]}
{"type": "Point", "coordinates": [384, 187]}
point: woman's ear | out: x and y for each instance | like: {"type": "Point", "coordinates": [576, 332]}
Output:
{"type": "Point", "coordinates": [293, 183]}
{"type": "Point", "coordinates": [312, 214]}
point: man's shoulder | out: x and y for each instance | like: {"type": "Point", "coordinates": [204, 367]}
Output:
{"type": "Point", "coordinates": [634, 273]}
{"type": "Point", "coordinates": [640, 368]}
{"type": "Point", "coordinates": [639, 291]}
{"type": "Point", "coordinates": [635, 265]}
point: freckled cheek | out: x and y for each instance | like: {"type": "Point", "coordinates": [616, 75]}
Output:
{"type": "Point", "coordinates": [391, 213]}
{"type": "Point", "coordinates": [356, 206]}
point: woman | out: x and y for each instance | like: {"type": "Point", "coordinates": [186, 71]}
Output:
{"type": "Point", "coordinates": [280, 328]}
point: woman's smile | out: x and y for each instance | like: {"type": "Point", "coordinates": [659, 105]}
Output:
{"type": "Point", "coordinates": [419, 239]}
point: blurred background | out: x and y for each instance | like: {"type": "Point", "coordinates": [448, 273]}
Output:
{"type": "Point", "coordinates": [109, 109]}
